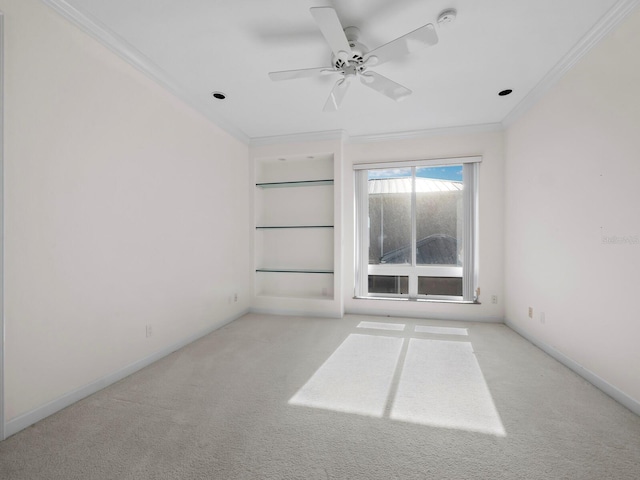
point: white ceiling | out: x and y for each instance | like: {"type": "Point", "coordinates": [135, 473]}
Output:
{"type": "Point", "coordinates": [198, 46]}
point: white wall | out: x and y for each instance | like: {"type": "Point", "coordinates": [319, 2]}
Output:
{"type": "Point", "coordinates": [123, 208]}
{"type": "Point", "coordinates": [490, 146]}
{"type": "Point", "coordinates": [572, 177]}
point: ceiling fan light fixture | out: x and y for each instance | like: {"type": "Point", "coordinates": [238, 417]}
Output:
{"type": "Point", "coordinates": [367, 78]}
{"type": "Point", "coordinates": [371, 61]}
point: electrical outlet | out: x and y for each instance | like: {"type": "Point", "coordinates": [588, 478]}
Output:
{"type": "Point", "coordinates": [530, 312]}
{"type": "Point", "coordinates": [494, 299]}
{"type": "Point", "coordinates": [149, 330]}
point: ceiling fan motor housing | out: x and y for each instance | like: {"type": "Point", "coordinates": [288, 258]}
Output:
{"type": "Point", "coordinates": [355, 57]}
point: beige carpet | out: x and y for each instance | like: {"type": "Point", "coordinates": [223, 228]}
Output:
{"type": "Point", "coordinates": [358, 398]}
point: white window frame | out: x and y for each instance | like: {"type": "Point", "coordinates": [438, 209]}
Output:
{"type": "Point", "coordinates": [468, 272]}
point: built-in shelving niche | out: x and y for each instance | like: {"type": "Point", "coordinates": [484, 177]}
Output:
{"type": "Point", "coordinates": [294, 238]}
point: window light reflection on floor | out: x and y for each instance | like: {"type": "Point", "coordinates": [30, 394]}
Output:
{"type": "Point", "coordinates": [382, 326]}
{"type": "Point", "coordinates": [442, 385]}
{"type": "Point", "coordinates": [423, 381]}
{"type": "Point", "coordinates": [356, 378]}
{"type": "Point", "coordinates": [442, 330]}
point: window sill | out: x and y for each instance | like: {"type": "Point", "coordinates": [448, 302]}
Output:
{"type": "Point", "coordinates": [420, 300]}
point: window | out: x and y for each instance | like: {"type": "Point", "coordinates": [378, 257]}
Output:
{"type": "Point", "coordinates": [416, 229]}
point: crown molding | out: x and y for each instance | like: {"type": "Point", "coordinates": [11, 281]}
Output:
{"type": "Point", "coordinates": [605, 25]}
{"type": "Point", "coordinates": [427, 133]}
{"type": "Point", "coordinates": [376, 137]}
{"type": "Point", "coordinates": [305, 137]}
{"type": "Point", "coordinates": [134, 57]}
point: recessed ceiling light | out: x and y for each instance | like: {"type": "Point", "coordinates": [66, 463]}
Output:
{"type": "Point", "coordinates": [219, 95]}
{"type": "Point", "coordinates": [506, 92]}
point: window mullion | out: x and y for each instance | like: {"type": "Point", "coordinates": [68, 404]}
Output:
{"type": "Point", "coordinates": [413, 278]}
{"type": "Point", "coordinates": [362, 233]}
{"type": "Point", "coordinates": [468, 262]}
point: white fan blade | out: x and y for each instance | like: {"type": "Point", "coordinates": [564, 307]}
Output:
{"type": "Point", "coordinates": [422, 37]}
{"type": "Point", "coordinates": [304, 73]}
{"type": "Point", "coordinates": [387, 87]}
{"type": "Point", "coordinates": [331, 28]}
{"type": "Point", "coordinates": [336, 95]}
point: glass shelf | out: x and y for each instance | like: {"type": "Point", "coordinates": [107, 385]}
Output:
{"type": "Point", "coordinates": [301, 183]}
{"type": "Point", "coordinates": [294, 270]}
{"type": "Point", "coordinates": [295, 226]}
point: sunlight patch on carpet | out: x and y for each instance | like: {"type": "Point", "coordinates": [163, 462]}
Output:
{"type": "Point", "coordinates": [356, 378]}
{"type": "Point", "coordinates": [431, 382]}
{"type": "Point", "coordinates": [382, 326]}
{"type": "Point", "coordinates": [442, 385]}
{"type": "Point", "coordinates": [442, 330]}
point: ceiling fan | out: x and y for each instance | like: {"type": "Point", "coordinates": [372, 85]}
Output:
{"type": "Point", "coordinates": [352, 59]}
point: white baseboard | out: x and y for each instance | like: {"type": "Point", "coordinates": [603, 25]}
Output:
{"type": "Point", "coordinates": [615, 393]}
{"type": "Point", "coordinates": [384, 312]}
{"type": "Point", "coordinates": [294, 313]}
{"type": "Point", "coordinates": [25, 420]}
